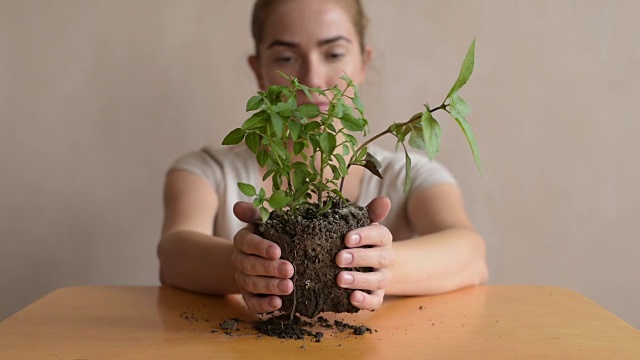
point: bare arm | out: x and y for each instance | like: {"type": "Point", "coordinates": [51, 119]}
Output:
{"type": "Point", "coordinates": [448, 255]}
{"type": "Point", "coordinates": [190, 257]}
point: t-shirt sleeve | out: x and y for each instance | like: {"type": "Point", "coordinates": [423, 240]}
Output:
{"type": "Point", "coordinates": [202, 164]}
{"type": "Point", "coordinates": [426, 173]}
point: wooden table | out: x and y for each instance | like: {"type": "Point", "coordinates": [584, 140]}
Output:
{"type": "Point", "coordinates": [486, 322]}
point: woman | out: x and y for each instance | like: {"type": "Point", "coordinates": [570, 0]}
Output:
{"type": "Point", "coordinates": [434, 248]}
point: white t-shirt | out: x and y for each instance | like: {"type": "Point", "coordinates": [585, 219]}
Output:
{"type": "Point", "coordinates": [225, 167]}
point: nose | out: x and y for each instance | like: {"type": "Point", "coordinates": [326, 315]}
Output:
{"type": "Point", "coordinates": [313, 73]}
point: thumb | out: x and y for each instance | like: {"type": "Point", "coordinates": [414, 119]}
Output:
{"type": "Point", "coordinates": [379, 208]}
{"type": "Point", "coordinates": [245, 212]}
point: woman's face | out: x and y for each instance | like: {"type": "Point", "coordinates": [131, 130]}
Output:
{"type": "Point", "coordinates": [312, 40]}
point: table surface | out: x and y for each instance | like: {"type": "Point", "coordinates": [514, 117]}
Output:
{"type": "Point", "coordinates": [491, 322]}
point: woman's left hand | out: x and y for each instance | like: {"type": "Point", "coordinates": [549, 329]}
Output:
{"type": "Point", "coordinates": [369, 246]}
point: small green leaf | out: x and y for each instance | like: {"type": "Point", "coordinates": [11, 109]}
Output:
{"type": "Point", "coordinates": [407, 171]}
{"type": "Point", "coordinates": [327, 143]}
{"type": "Point", "coordinates": [431, 133]}
{"type": "Point", "coordinates": [342, 164]}
{"type": "Point", "coordinates": [466, 69]}
{"type": "Point", "coordinates": [262, 157]}
{"type": "Point", "coordinates": [312, 126]}
{"type": "Point", "coordinates": [298, 147]}
{"type": "Point", "coordinates": [264, 214]}
{"type": "Point", "coordinates": [459, 106]}
{"type": "Point", "coordinates": [416, 138]}
{"type": "Point", "coordinates": [310, 111]}
{"type": "Point", "coordinates": [253, 142]}
{"type": "Point", "coordinates": [247, 189]}
{"type": "Point", "coordinates": [358, 104]}
{"type": "Point", "coordinates": [234, 137]}
{"type": "Point", "coordinates": [255, 121]}
{"type": "Point", "coordinates": [278, 200]}
{"type": "Point", "coordinates": [351, 123]}
{"type": "Point", "coordinates": [254, 103]}
{"type": "Point", "coordinates": [295, 128]}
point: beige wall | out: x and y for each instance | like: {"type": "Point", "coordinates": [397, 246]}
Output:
{"type": "Point", "coordinates": [98, 97]}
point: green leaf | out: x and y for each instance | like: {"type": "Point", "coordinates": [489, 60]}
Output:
{"type": "Point", "coordinates": [312, 126]}
{"type": "Point", "coordinates": [327, 143]}
{"type": "Point", "coordinates": [255, 121]}
{"type": "Point", "coordinates": [254, 103]}
{"type": "Point", "coordinates": [431, 133]}
{"type": "Point", "coordinates": [262, 157]}
{"type": "Point", "coordinates": [247, 189]}
{"type": "Point", "coordinates": [407, 171]}
{"type": "Point", "coordinates": [416, 138]}
{"type": "Point", "coordinates": [466, 128]}
{"type": "Point", "coordinates": [299, 178]}
{"type": "Point", "coordinates": [277, 123]}
{"type": "Point", "coordinates": [351, 123]}
{"type": "Point", "coordinates": [278, 199]}
{"type": "Point", "coordinates": [310, 111]}
{"type": "Point", "coordinates": [298, 147]}
{"type": "Point", "coordinates": [264, 214]}
{"type": "Point", "coordinates": [358, 104]}
{"type": "Point", "coordinates": [234, 137]}
{"type": "Point", "coordinates": [342, 164]}
{"type": "Point", "coordinates": [466, 70]}
{"type": "Point", "coordinates": [253, 142]}
{"type": "Point", "coordinates": [295, 128]}
{"type": "Point", "coordinates": [459, 106]}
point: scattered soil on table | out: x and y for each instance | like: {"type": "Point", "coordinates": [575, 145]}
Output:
{"type": "Point", "coordinates": [283, 327]}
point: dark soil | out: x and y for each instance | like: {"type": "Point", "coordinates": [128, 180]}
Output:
{"type": "Point", "coordinates": [283, 327]}
{"type": "Point", "coordinates": [311, 244]}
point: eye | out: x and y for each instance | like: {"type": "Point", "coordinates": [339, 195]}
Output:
{"type": "Point", "coordinates": [284, 59]}
{"type": "Point", "coordinates": [335, 56]}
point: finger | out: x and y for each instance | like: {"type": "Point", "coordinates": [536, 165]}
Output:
{"type": "Point", "coordinates": [366, 301]}
{"type": "Point", "coordinates": [261, 304]}
{"type": "Point", "coordinates": [264, 285]}
{"type": "Point", "coordinates": [250, 243]}
{"type": "Point", "coordinates": [379, 208]}
{"type": "Point", "coordinates": [376, 280]}
{"type": "Point", "coordinates": [372, 235]}
{"type": "Point", "coordinates": [245, 212]}
{"type": "Point", "coordinates": [257, 266]}
{"type": "Point", "coordinates": [377, 257]}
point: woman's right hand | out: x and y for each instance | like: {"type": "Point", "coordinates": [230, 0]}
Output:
{"type": "Point", "coordinates": [260, 273]}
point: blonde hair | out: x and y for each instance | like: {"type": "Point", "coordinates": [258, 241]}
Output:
{"type": "Point", "coordinates": [262, 9]}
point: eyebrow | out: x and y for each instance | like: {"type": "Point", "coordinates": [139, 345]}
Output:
{"type": "Point", "coordinates": [322, 42]}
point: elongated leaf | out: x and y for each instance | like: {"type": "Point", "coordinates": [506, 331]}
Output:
{"type": "Point", "coordinates": [431, 132]}
{"type": "Point", "coordinates": [466, 70]}
{"type": "Point", "coordinates": [459, 106]}
{"type": "Point", "coordinates": [262, 157]}
{"type": "Point", "coordinates": [234, 137]}
{"type": "Point", "coordinates": [372, 164]}
{"type": "Point", "coordinates": [277, 123]}
{"type": "Point", "coordinates": [466, 128]}
{"type": "Point", "coordinates": [358, 104]}
{"type": "Point", "coordinates": [253, 141]}
{"type": "Point", "coordinates": [254, 103]}
{"type": "Point", "coordinates": [295, 128]}
{"type": "Point", "coordinates": [407, 171]}
{"type": "Point", "coordinates": [351, 123]}
{"type": "Point", "coordinates": [247, 189]}
{"type": "Point", "coordinates": [342, 164]}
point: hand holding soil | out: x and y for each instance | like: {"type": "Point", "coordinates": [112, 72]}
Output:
{"type": "Point", "coordinates": [369, 247]}
{"type": "Point", "coordinates": [262, 276]}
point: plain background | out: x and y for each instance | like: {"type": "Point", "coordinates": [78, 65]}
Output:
{"type": "Point", "coordinates": [97, 98]}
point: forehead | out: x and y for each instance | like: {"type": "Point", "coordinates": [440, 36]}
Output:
{"type": "Point", "coordinates": [307, 21]}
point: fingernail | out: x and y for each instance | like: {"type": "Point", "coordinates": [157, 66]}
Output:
{"type": "Point", "coordinates": [347, 258]}
{"type": "Point", "coordinates": [282, 270]}
{"type": "Point", "coordinates": [282, 285]}
{"type": "Point", "coordinates": [273, 302]}
{"type": "Point", "coordinates": [354, 239]}
{"type": "Point", "coordinates": [347, 279]}
{"type": "Point", "coordinates": [357, 297]}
